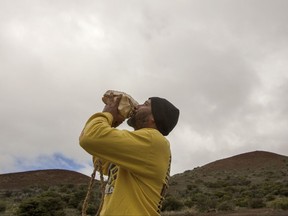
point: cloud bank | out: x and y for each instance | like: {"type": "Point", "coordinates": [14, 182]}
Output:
{"type": "Point", "coordinates": [223, 63]}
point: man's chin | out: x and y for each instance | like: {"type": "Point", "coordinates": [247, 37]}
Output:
{"type": "Point", "coordinates": [131, 122]}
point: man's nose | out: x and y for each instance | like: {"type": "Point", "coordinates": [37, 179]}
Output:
{"type": "Point", "coordinates": [139, 106]}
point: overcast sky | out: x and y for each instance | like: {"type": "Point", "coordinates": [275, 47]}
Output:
{"type": "Point", "coordinates": [223, 63]}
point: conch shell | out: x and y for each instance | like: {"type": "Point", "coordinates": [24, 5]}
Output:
{"type": "Point", "coordinates": [127, 104]}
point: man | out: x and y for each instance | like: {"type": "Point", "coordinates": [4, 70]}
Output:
{"type": "Point", "coordinates": [137, 162]}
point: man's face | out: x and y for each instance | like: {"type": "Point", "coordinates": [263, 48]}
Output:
{"type": "Point", "coordinates": [140, 118]}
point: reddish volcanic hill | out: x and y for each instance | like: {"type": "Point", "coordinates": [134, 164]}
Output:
{"type": "Point", "coordinates": [20, 180]}
{"type": "Point", "coordinates": [254, 166]}
{"type": "Point", "coordinates": [248, 161]}
{"type": "Point", "coordinates": [243, 163]}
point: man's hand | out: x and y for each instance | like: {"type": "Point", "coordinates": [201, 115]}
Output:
{"type": "Point", "coordinates": [112, 107]}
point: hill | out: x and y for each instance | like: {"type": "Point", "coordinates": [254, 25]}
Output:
{"type": "Point", "coordinates": [254, 166]}
{"type": "Point", "coordinates": [46, 192]}
{"type": "Point", "coordinates": [21, 180]}
{"type": "Point", "coordinates": [251, 161]}
{"type": "Point", "coordinates": [253, 180]}
{"type": "Point", "coordinates": [249, 180]}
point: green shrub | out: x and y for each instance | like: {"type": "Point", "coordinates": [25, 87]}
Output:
{"type": "Point", "coordinates": [8, 194]}
{"type": "Point", "coordinates": [2, 206]}
{"type": "Point", "coordinates": [172, 204]}
{"type": "Point", "coordinates": [284, 191]}
{"type": "Point", "coordinates": [226, 206]}
{"type": "Point", "coordinates": [270, 197]}
{"type": "Point", "coordinates": [280, 203]}
{"type": "Point", "coordinates": [219, 194]}
{"type": "Point", "coordinates": [92, 209]}
{"type": "Point", "coordinates": [47, 204]}
{"type": "Point", "coordinates": [189, 203]}
{"type": "Point", "coordinates": [256, 203]}
{"type": "Point", "coordinates": [205, 203]}
{"type": "Point", "coordinates": [76, 198]}
{"type": "Point", "coordinates": [242, 202]}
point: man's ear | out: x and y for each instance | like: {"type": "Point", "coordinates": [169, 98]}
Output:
{"type": "Point", "coordinates": [151, 118]}
{"type": "Point", "coordinates": [152, 121]}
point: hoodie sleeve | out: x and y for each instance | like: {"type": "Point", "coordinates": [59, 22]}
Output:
{"type": "Point", "coordinates": [137, 151]}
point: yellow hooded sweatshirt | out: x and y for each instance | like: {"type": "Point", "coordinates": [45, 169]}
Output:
{"type": "Point", "coordinates": [139, 166]}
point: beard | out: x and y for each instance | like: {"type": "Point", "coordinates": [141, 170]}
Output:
{"type": "Point", "coordinates": [138, 121]}
{"type": "Point", "coordinates": [132, 121]}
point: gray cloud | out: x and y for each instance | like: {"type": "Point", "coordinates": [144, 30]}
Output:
{"type": "Point", "coordinates": [223, 63]}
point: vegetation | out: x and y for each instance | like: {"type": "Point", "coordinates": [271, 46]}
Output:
{"type": "Point", "coordinates": [49, 201]}
{"type": "Point", "coordinates": [2, 206]}
{"type": "Point", "coordinates": [279, 203]}
{"type": "Point", "coordinates": [229, 191]}
{"type": "Point", "coordinates": [200, 191]}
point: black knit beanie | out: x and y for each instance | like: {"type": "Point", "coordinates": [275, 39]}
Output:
{"type": "Point", "coordinates": [165, 114]}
